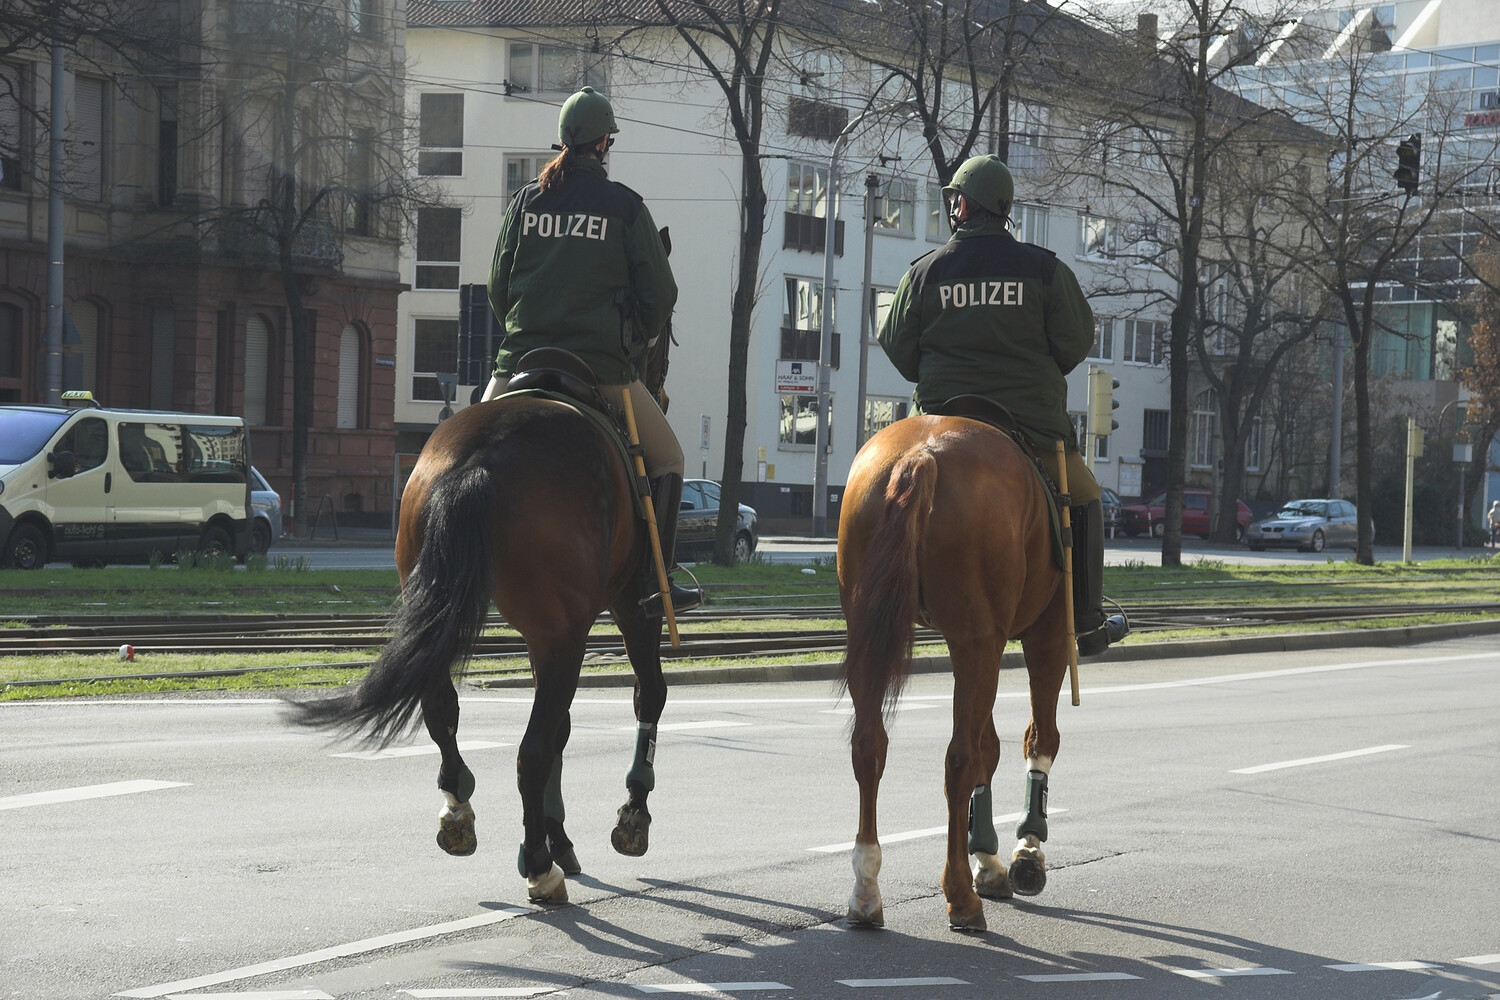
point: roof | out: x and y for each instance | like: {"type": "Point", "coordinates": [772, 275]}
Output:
{"type": "Point", "coordinates": [528, 13]}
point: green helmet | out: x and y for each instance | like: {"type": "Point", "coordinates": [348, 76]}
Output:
{"type": "Point", "coordinates": [986, 180]}
{"type": "Point", "coordinates": [586, 117]}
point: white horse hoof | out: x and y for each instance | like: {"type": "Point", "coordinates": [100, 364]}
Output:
{"type": "Point", "coordinates": [456, 829]}
{"type": "Point", "coordinates": [990, 878]}
{"type": "Point", "coordinates": [866, 914]}
{"type": "Point", "coordinates": [549, 888]}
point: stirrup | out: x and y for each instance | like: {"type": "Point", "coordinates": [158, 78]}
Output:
{"type": "Point", "coordinates": [1112, 630]}
{"type": "Point", "coordinates": [682, 600]}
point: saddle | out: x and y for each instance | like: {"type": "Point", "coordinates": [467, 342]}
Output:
{"type": "Point", "coordinates": [987, 411]}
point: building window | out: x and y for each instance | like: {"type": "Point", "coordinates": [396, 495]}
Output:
{"type": "Point", "coordinates": [163, 356]}
{"type": "Point", "coordinates": [434, 350]}
{"type": "Point", "coordinates": [806, 210]}
{"type": "Point", "coordinates": [799, 422]}
{"type": "Point", "coordinates": [1203, 428]}
{"type": "Point", "coordinates": [521, 171]}
{"type": "Point", "coordinates": [1144, 341]}
{"type": "Point", "coordinates": [10, 353]}
{"type": "Point", "coordinates": [1028, 137]}
{"type": "Point", "coordinates": [1096, 236]}
{"type": "Point", "coordinates": [166, 148]}
{"type": "Point", "coordinates": [359, 198]}
{"type": "Point", "coordinates": [362, 20]}
{"type": "Point", "coordinates": [1081, 433]}
{"type": "Point", "coordinates": [1155, 430]}
{"type": "Point", "coordinates": [802, 322]}
{"type": "Point", "coordinates": [1253, 446]}
{"type": "Point", "coordinates": [1104, 340]}
{"type": "Point", "coordinates": [1028, 223]}
{"type": "Point", "coordinates": [880, 307]}
{"type": "Point", "coordinates": [880, 413]}
{"type": "Point", "coordinates": [259, 357]}
{"type": "Point", "coordinates": [815, 119]}
{"type": "Point", "coordinates": [81, 361]}
{"type": "Point", "coordinates": [12, 151]}
{"type": "Point", "coordinates": [351, 376]}
{"type": "Point", "coordinates": [441, 135]}
{"type": "Point", "coordinates": [438, 245]}
{"type": "Point", "coordinates": [553, 69]}
{"type": "Point", "coordinates": [937, 215]}
{"type": "Point", "coordinates": [898, 209]}
{"type": "Point", "coordinates": [87, 136]}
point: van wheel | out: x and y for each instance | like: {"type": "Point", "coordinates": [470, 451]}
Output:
{"type": "Point", "coordinates": [260, 537]}
{"type": "Point", "coordinates": [27, 548]}
{"type": "Point", "coordinates": [216, 541]}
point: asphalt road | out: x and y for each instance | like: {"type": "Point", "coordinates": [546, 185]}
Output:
{"type": "Point", "coordinates": [1239, 827]}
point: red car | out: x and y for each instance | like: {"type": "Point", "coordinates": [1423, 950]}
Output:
{"type": "Point", "coordinates": [1150, 517]}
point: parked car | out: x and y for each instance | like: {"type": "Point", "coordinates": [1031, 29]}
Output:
{"type": "Point", "coordinates": [1150, 517]}
{"type": "Point", "coordinates": [1112, 505]}
{"type": "Point", "coordinates": [265, 503]}
{"type": "Point", "coordinates": [699, 522]}
{"type": "Point", "coordinates": [1309, 525]}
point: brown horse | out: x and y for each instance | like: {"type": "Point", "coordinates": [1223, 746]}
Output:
{"type": "Point", "coordinates": [526, 502]}
{"type": "Point", "coordinates": [945, 522]}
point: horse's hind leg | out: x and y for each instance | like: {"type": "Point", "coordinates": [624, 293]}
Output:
{"type": "Point", "coordinates": [1046, 663]}
{"type": "Point", "coordinates": [642, 635]}
{"type": "Point", "coordinates": [556, 672]}
{"type": "Point", "coordinates": [970, 761]}
{"type": "Point", "coordinates": [990, 878]}
{"type": "Point", "coordinates": [553, 812]}
{"type": "Point", "coordinates": [455, 780]}
{"type": "Point", "coordinates": [867, 750]}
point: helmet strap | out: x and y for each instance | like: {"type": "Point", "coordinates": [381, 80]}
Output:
{"type": "Point", "coordinates": [957, 211]}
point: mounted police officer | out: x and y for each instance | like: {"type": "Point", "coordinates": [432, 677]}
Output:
{"type": "Point", "coordinates": [579, 265]}
{"type": "Point", "coordinates": [988, 315]}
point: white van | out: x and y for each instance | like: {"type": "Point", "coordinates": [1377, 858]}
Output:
{"type": "Point", "coordinates": [90, 485]}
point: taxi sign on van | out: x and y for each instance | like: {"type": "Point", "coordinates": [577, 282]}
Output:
{"type": "Point", "coordinates": [79, 397]}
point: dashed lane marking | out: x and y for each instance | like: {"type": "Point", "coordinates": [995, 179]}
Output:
{"type": "Point", "coordinates": [931, 831]}
{"type": "Point", "coordinates": [1480, 959]}
{"type": "Point", "coordinates": [1382, 966]}
{"type": "Point", "coordinates": [1078, 977]}
{"type": "Point", "coordinates": [271, 995]}
{"type": "Point", "coordinates": [494, 991]}
{"type": "Point", "coordinates": [417, 751]}
{"type": "Point", "coordinates": [325, 954]}
{"type": "Point", "coordinates": [918, 981]}
{"type": "Point", "coordinates": [1255, 970]}
{"type": "Point", "coordinates": [710, 987]}
{"type": "Point", "coordinates": [1259, 768]}
{"type": "Point", "coordinates": [86, 792]}
{"type": "Point", "coordinates": [682, 727]}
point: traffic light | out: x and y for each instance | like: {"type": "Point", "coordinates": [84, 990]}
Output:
{"type": "Point", "coordinates": [1409, 163]}
{"type": "Point", "coordinates": [1102, 402]}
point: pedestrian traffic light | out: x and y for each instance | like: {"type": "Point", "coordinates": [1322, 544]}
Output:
{"type": "Point", "coordinates": [1409, 163]}
{"type": "Point", "coordinates": [1102, 402]}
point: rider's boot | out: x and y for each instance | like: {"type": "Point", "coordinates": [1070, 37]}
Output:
{"type": "Point", "coordinates": [666, 497]}
{"type": "Point", "coordinates": [1095, 630]}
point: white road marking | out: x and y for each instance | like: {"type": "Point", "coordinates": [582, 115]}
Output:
{"type": "Point", "coordinates": [497, 991]}
{"type": "Point", "coordinates": [272, 995]}
{"type": "Point", "coordinates": [1255, 970]}
{"type": "Point", "coordinates": [682, 727]}
{"type": "Point", "coordinates": [325, 954]}
{"type": "Point", "coordinates": [1481, 959]}
{"type": "Point", "coordinates": [932, 831]}
{"type": "Point", "coordinates": [86, 792]}
{"type": "Point", "coordinates": [417, 751]}
{"type": "Point", "coordinates": [900, 707]}
{"type": "Point", "coordinates": [1382, 966]}
{"type": "Point", "coordinates": [1079, 977]}
{"type": "Point", "coordinates": [711, 987]}
{"type": "Point", "coordinates": [1259, 768]}
{"type": "Point", "coordinates": [923, 981]}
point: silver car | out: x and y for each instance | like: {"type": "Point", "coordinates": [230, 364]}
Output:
{"type": "Point", "coordinates": [265, 521]}
{"type": "Point", "coordinates": [1309, 525]}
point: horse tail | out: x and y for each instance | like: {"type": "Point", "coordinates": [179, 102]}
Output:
{"type": "Point", "coordinates": [885, 597]}
{"type": "Point", "coordinates": [444, 603]}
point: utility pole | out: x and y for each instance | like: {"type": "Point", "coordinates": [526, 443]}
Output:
{"type": "Point", "coordinates": [872, 185]}
{"type": "Point", "coordinates": [55, 181]}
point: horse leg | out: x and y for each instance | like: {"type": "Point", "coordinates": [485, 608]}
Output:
{"type": "Point", "coordinates": [642, 635]}
{"type": "Point", "coordinates": [553, 812]}
{"type": "Point", "coordinates": [556, 673]}
{"type": "Point", "coordinates": [976, 666]}
{"type": "Point", "coordinates": [867, 751]}
{"type": "Point", "coordinates": [990, 878]}
{"type": "Point", "coordinates": [455, 780]}
{"type": "Point", "coordinates": [1046, 663]}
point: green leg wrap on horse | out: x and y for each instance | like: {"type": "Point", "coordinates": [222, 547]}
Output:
{"type": "Point", "coordinates": [1034, 823]}
{"type": "Point", "coordinates": [552, 800]}
{"type": "Point", "coordinates": [543, 860]}
{"type": "Point", "coordinates": [461, 786]}
{"type": "Point", "coordinates": [642, 772]}
{"type": "Point", "coordinates": [982, 836]}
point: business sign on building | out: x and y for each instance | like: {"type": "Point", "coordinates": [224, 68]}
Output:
{"type": "Point", "coordinates": [796, 376]}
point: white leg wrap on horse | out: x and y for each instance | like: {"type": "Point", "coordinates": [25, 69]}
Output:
{"type": "Point", "coordinates": [1043, 764]}
{"type": "Point", "coordinates": [456, 811]}
{"type": "Point", "coordinates": [864, 901]}
{"type": "Point", "coordinates": [453, 803]}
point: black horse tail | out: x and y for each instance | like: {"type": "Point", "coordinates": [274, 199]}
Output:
{"type": "Point", "coordinates": [444, 603]}
{"type": "Point", "coordinates": [883, 606]}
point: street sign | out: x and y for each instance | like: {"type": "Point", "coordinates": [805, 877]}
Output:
{"type": "Point", "coordinates": [796, 376]}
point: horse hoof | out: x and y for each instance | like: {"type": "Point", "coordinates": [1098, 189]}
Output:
{"type": "Point", "coordinates": [456, 830]}
{"type": "Point", "coordinates": [873, 917]}
{"type": "Point", "coordinates": [1028, 871]}
{"type": "Point", "coordinates": [990, 878]}
{"type": "Point", "coordinates": [549, 888]}
{"type": "Point", "coordinates": [567, 861]}
{"type": "Point", "coordinates": [972, 923]}
{"type": "Point", "coordinates": [631, 836]}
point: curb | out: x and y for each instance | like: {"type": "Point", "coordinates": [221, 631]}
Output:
{"type": "Point", "coordinates": [1288, 643]}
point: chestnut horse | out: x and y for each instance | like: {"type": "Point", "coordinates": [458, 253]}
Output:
{"type": "Point", "coordinates": [524, 501]}
{"type": "Point", "coordinates": [945, 521]}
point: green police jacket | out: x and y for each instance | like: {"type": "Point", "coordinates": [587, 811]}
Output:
{"type": "Point", "coordinates": [989, 315]}
{"type": "Point", "coordinates": [581, 267]}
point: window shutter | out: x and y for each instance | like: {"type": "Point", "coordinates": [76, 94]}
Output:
{"type": "Point", "coordinates": [163, 349]}
{"type": "Point", "coordinates": [257, 360]}
{"type": "Point", "coordinates": [349, 377]}
{"type": "Point", "coordinates": [88, 138]}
